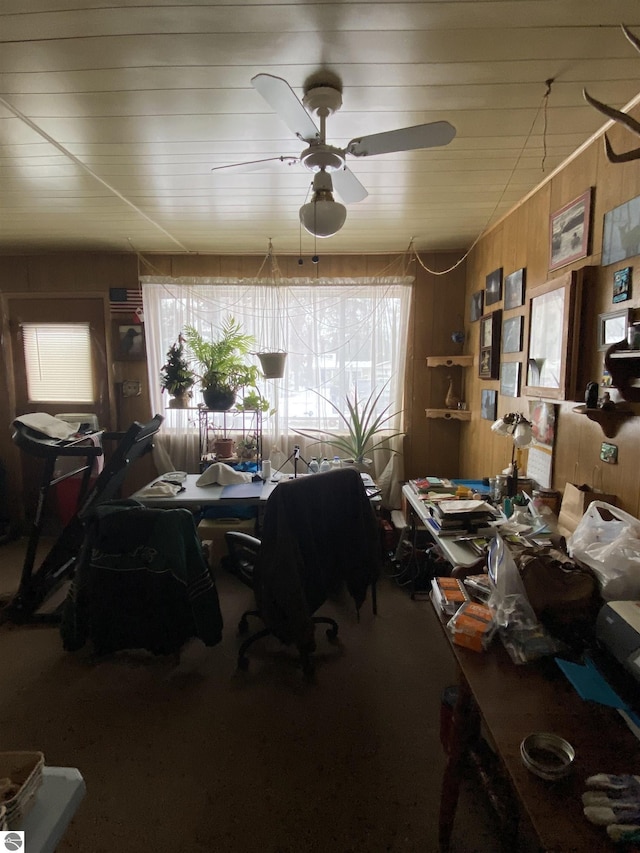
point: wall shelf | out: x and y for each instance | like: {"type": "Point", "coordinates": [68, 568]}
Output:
{"type": "Point", "coordinates": [449, 361]}
{"type": "Point", "coordinates": [449, 414]}
{"type": "Point", "coordinates": [610, 420]}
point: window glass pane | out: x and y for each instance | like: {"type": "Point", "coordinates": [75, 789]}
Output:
{"type": "Point", "coordinates": [58, 362]}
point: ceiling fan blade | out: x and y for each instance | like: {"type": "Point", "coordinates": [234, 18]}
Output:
{"type": "Point", "coordinates": [286, 104]}
{"type": "Point", "coordinates": [405, 139]}
{"type": "Point", "coordinates": [348, 186]}
{"type": "Point", "coordinates": [257, 165]}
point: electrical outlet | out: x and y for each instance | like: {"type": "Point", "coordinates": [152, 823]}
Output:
{"type": "Point", "coordinates": [131, 388]}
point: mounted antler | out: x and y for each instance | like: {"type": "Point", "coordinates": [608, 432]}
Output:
{"type": "Point", "coordinates": [618, 116]}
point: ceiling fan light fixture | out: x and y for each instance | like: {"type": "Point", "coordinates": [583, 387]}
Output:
{"type": "Point", "coordinates": [323, 216]}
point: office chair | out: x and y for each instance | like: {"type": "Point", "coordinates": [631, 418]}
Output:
{"type": "Point", "coordinates": [243, 553]}
{"type": "Point", "coordinates": [318, 534]}
{"type": "Point", "coordinates": [141, 582]}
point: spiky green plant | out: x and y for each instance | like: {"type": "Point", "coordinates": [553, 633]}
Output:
{"type": "Point", "coordinates": [362, 423]}
{"type": "Point", "coordinates": [222, 363]}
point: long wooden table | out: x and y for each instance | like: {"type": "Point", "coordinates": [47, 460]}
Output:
{"type": "Point", "coordinates": [513, 701]}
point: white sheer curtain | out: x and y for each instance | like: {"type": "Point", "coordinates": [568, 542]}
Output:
{"type": "Point", "coordinates": [340, 335]}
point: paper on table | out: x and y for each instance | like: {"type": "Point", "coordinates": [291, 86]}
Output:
{"type": "Point", "coordinates": [465, 506]}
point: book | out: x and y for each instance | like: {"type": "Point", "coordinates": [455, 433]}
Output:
{"type": "Point", "coordinates": [448, 594]}
{"type": "Point", "coordinates": [422, 485]}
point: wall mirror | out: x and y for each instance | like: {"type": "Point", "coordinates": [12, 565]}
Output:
{"type": "Point", "coordinates": [552, 345]}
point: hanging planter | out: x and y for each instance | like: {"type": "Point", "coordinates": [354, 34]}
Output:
{"type": "Point", "coordinates": [272, 364]}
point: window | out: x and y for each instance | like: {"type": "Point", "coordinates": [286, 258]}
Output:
{"type": "Point", "coordinates": [339, 335]}
{"type": "Point", "coordinates": [58, 362]}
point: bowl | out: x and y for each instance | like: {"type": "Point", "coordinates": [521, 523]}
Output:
{"type": "Point", "coordinates": [547, 755]}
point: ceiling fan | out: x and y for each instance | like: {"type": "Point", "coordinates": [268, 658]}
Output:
{"type": "Point", "coordinates": [324, 216]}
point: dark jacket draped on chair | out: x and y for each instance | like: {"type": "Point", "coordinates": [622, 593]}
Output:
{"type": "Point", "coordinates": [319, 532]}
{"type": "Point", "coordinates": [141, 582]}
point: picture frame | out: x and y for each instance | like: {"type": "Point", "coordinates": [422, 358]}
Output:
{"type": "Point", "coordinates": [553, 345]}
{"type": "Point", "coordinates": [621, 285]}
{"type": "Point", "coordinates": [493, 287]}
{"type": "Point", "coordinates": [512, 329]}
{"type": "Point", "coordinates": [477, 306]}
{"type": "Point", "coordinates": [488, 404]}
{"type": "Point", "coordinates": [620, 237]}
{"type": "Point", "coordinates": [612, 327]}
{"type": "Point", "coordinates": [489, 361]}
{"type": "Point", "coordinates": [514, 287]}
{"type": "Point", "coordinates": [570, 231]}
{"type": "Point", "coordinates": [510, 379]}
{"type": "Point", "coordinates": [128, 341]}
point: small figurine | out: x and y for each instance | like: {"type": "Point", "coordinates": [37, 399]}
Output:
{"type": "Point", "coordinates": [591, 395]}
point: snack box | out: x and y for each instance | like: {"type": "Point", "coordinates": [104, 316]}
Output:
{"type": "Point", "coordinates": [449, 594]}
{"type": "Point", "coordinates": [472, 626]}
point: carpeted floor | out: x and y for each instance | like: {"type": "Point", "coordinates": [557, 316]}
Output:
{"type": "Point", "coordinates": [198, 757]}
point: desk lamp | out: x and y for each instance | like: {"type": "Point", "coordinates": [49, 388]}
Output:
{"type": "Point", "coordinates": [519, 428]}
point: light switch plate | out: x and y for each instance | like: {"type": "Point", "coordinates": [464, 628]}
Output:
{"type": "Point", "coordinates": [131, 388]}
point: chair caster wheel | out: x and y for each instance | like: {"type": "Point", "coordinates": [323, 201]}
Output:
{"type": "Point", "coordinates": [243, 626]}
{"type": "Point", "coordinates": [243, 664]}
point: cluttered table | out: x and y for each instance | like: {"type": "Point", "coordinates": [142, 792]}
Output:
{"type": "Point", "coordinates": [514, 701]}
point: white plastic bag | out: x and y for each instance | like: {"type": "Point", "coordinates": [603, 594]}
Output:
{"type": "Point", "coordinates": [607, 539]}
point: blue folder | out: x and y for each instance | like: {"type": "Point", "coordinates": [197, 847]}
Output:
{"type": "Point", "coordinates": [242, 490]}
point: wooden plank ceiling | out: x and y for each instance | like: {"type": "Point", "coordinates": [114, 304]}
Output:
{"type": "Point", "coordinates": [112, 116]}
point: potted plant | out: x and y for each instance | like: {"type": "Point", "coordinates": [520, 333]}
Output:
{"type": "Point", "coordinates": [176, 376]}
{"type": "Point", "coordinates": [363, 425]}
{"type": "Point", "coordinates": [253, 401]}
{"type": "Point", "coordinates": [247, 447]}
{"type": "Point", "coordinates": [222, 363]}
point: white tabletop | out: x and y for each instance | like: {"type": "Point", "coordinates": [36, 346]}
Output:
{"type": "Point", "coordinates": [194, 495]}
{"type": "Point", "coordinates": [457, 553]}
{"type": "Point", "coordinates": [55, 803]}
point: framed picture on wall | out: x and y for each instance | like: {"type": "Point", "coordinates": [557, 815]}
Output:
{"type": "Point", "coordinates": [488, 404]}
{"type": "Point", "coordinates": [620, 237]}
{"type": "Point", "coordinates": [612, 327]}
{"type": "Point", "coordinates": [622, 285]}
{"type": "Point", "coordinates": [489, 363]}
{"type": "Point", "coordinates": [128, 341]}
{"type": "Point", "coordinates": [510, 379]}
{"type": "Point", "coordinates": [514, 285]}
{"type": "Point", "coordinates": [569, 231]}
{"type": "Point", "coordinates": [512, 334]}
{"type": "Point", "coordinates": [493, 287]}
{"type": "Point", "coordinates": [476, 305]}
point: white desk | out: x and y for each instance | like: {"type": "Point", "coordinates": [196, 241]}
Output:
{"type": "Point", "coordinates": [194, 495]}
{"type": "Point", "coordinates": [56, 802]}
{"type": "Point", "coordinates": [456, 553]}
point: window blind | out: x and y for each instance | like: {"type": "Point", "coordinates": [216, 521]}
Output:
{"type": "Point", "coordinates": [58, 362]}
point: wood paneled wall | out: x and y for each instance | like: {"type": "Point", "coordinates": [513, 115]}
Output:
{"type": "Point", "coordinates": [438, 308]}
{"type": "Point", "coordinates": [522, 240]}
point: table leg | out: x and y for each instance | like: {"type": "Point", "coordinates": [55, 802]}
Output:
{"type": "Point", "coordinates": [465, 727]}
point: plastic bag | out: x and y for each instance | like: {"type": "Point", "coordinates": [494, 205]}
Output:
{"type": "Point", "coordinates": [522, 634]}
{"type": "Point", "coordinates": [607, 539]}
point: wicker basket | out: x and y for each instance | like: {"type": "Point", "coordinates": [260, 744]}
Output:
{"type": "Point", "coordinates": [24, 769]}
{"type": "Point", "coordinates": [3, 819]}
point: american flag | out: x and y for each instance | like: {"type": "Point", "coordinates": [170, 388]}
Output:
{"type": "Point", "coordinates": [126, 304]}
